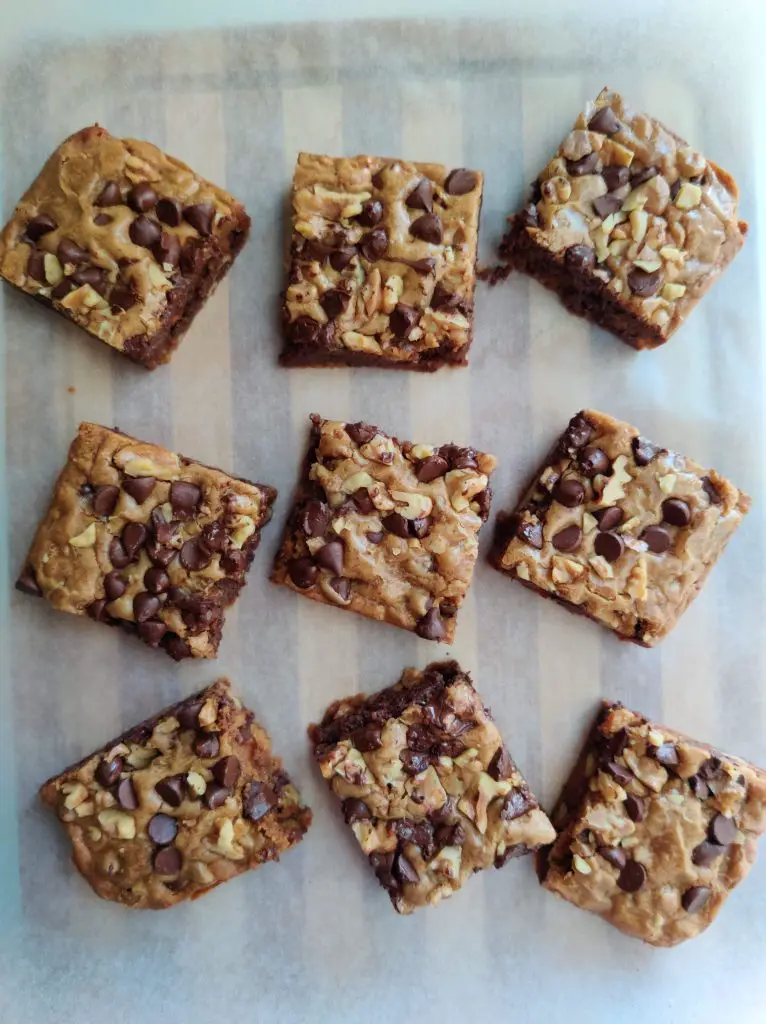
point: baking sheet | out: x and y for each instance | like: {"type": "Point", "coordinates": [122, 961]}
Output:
{"type": "Point", "coordinates": [314, 939]}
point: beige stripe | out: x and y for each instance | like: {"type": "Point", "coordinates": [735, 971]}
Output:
{"type": "Point", "coordinates": [327, 670]}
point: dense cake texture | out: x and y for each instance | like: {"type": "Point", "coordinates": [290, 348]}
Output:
{"type": "Point", "coordinates": [382, 263]}
{"type": "Point", "coordinates": [386, 528]}
{"type": "Point", "coordinates": [427, 785]}
{"type": "Point", "coordinates": [123, 239]}
{"type": "Point", "coordinates": [619, 529]}
{"type": "Point", "coordinates": [627, 223]}
{"type": "Point", "coordinates": [178, 804]}
{"type": "Point", "coordinates": [140, 537]}
{"type": "Point", "coordinates": [656, 829]}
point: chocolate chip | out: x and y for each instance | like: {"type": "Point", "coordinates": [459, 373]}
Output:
{"type": "Point", "coordinates": [97, 610]}
{"type": "Point", "coordinates": [133, 538]}
{"type": "Point", "coordinates": [706, 854]}
{"type": "Point", "coordinates": [167, 861]}
{"type": "Point", "coordinates": [188, 714]}
{"type": "Point", "coordinates": [195, 554]}
{"type": "Point", "coordinates": [618, 772]}
{"type": "Point", "coordinates": [206, 745]}
{"type": "Point", "coordinates": [430, 626]}
{"type": "Point", "coordinates": [104, 499]}
{"type": "Point", "coordinates": [102, 218]}
{"type": "Point", "coordinates": [355, 810]}
{"type": "Point", "coordinates": [27, 582]}
{"type": "Point", "coordinates": [330, 556]}
{"type": "Point", "coordinates": [361, 433]}
{"type": "Point", "coordinates": [96, 277]}
{"type": "Point", "coordinates": [695, 898]}
{"type": "Point", "coordinates": [699, 787]}
{"type": "Point", "coordinates": [639, 177]}
{"type": "Point", "coordinates": [644, 283]}
{"type": "Point", "coordinates": [226, 771]}
{"type": "Point", "coordinates": [615, 177]}
{"type": "Point", "coordinates": [177, 647]}
{"type": "Point", "coordinates": [108, 772]}
{"type": "Point", "coordinates": [632, 876]}
{"type": "Point", "coordinates": [605, 205]}
{"type": "Point", "coordinates": [341, 258]}
{"type": "Point", "coordinates": [122, 298]}
{"type": "Point", "coordinates": [40, 225]}
{"type": "Point", "coordinates": [605, 121]}
{"type": "Point", "coordinates": [341, 585]}
{"type": "Point", "coordinates": [234, 562]}
{"type": "Point", "coordinates": [109, 195]}
{"type": "Point", "coordinates": [200, 216]}
{"type": "Point", "coordinates": [375, 536]}
{"type": "Point", "coordinates": [580, 257]}
{"type": "Point", "coordinates": [531, 533]}
{"type": "Point", "coordinates": [711, 490]}
{"type": "Point", "coordinates": [169, 211]}
{"type": "Point", "coordinates": [667, 755]}
{"type": "Point", "coordinates": [414, 762]}
{"type": "Point", "coordinates": [635, 807]}
{"type": "Point", "coordinates": [585, 165]}
{"type": "Point", "coordinates": [152, 631]}
{"type": "Point", "coordinates": [402, 320]}
{"type": "Point", "coordinates": [126, 795]}
{"type": "Point", "coordinates": [214, 535]}
{"type": "Point", "coordinates": [460, 181]}
{"type": "Point", "coordinates": [172, 789]}
{"type": "Point", "coordinates": [215, 795]}
{"type": "Point", "coordinates": [428, 228]}
{"type": "Point", "coordinates": [722, 830]}
{"type": "Point", "coordinates": [656, 539]}
{"type": "Point", "coordinates": [432, 468]}
{"type": "Point", "coordinates": [373, 245]}
{"type": "Point", "coordinates": [404, 871]}
{"type": "Point", "coordinates": [145, 606]}
{"type": "Point", "coordinates": [117, 554]}
{"type": "Point", "coordinates": [36, 267]}
{"type": "Point", "coordinates": [567, 539]}
{"type": "Point", "coordinates": [594, 461]}
{"type": "Point", "coordinates": [162, 829]}
{"type": "Point", "coordinates": [609, 545]}
{"type": "Point", "coordinates": [257, 801]}
{"type": "Point", "coordinates": [62, 289]}
{"type": "Point", "coordinates": [644, 451]}
{"type": "Point", "coordinates": [70, 252]}
{"type": "Point", "coordinates": [609, 518]}
{"type": "Point", "coordinates": [141, 197]}
{"type": "Point", "coordinates": [145, 232]}
{"type": "Point", "coordinates": [139, 488]}
{"type": "Point", "coordinates": [334, 302]}
{"type": "Point", "coordinates": [368, 738]}
{"type": "Point", "coordinates": [302, 572]}
{"type": "Point", "coordinates": [421, 526]}
{"type": "Point", "coordinates": [443, 299]}
{"type": "Point", "coordinates": [421, 197]}
{"type": "Point", "coordinates": [372, 213]}
{"type": "Point", "coordinates": [184, 499]}
{"type": "Point", "coordinates": [168, 249]}
{"type": "Point", "coordinates": [515, 804]}
{"type": "Point", "coordinates": [569, 492]}
{"type": "Point", "coordinates": [397, 524]}
{"type": "Point", "coordinates": [711, 768]}
{"type": "Point", "coordinates": [156, 580]}
{"type": "Point", "coordinates": [676, 512]}
{"type": "Point", "coordinates": [424, 265]}
{"type": "Point", "coordinates": [613, 855]}
{"type": "Point", "coordinates": [114, 586]}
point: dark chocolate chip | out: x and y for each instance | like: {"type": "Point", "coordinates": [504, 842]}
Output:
{"type": "Point", "coordinates": [605, 121]}
{"type": "Point", "coordinates": [200, 216]}
{"type": "Point", "coordinates": [657, 539]}
{"type": "Point", "coordinates": [604, 205]}
{"type": "Point", "coordinates": [62, 289]}
{"type": "Point", "coordinates": [375, 536]}
{"type": "Point", "coordinates": [40, 225]}
{"type": "Point", "coordinates": [361, 433]}
{"type": "Point", "coordinates": [676, 512]}
{"type": "Point", "coordinates": [515, 804]}
{"type": "Point", "coordinates": [167, 861]}
{"type": "Point", "coordinates": [141, 197]}
{"type": "Point", "coordinates": [145, 606]}
{"type": "Point", "coordinates": [643, 282]}
{"type": "Point", "coordinates": [585, 165]}
{"type": "Point", "coordinates": [341, 585]}
{"type": "Point", "coordinates": [108, 772]}
{"type": "Point", "coordinates": [341, 258]}
{"type": "Point", "coordinates": [316, 517]}
{"type": "Point", "coordinates": [305, 330]}
{"type": "Point", "coordinates": [114, 586]}
{"type": "Point", "coordinates": [675, 188]}
{"type": "Point", "coordinates": [428, 228]}
{"type": "Point", "coordinates": [122, 298]}
{"type": "Point", "coordinates": [443, 299]}
{"type": "Point", "coordinates": [139, 488]}
{"type": "Point", "coordinates": [104, 499]}
{"type": "Point", "coordinates": [207, 744]}
{"type": "Point", "coordinates": [195, 554]}
{"type": "Point", "coordinates": [257, 801]}
{"type": "Point", "coordinates": [397, 524]}
{"type": "Point", "coordinates": [215, 795]}
{"type": "Point", "coordinates": [152, 631]}
{"type": "Point", "coordinates": [188, 714]}
{"type": "Point", "coordinates": [118, 555]}
{"type": "Point", "coordinates": [334, 302]}
{"type": "Point", "coordinates": [618, 772]}
{"type": "Point", "coordinates": [372, 213]}
{"type": "Point", "coordinates": [109, 195]}
{"type": "Point", "coordinates": [609, 545]}
{"type": "Point", "coordinates": [133, 538]}
{"type": "Point", "coordinates": [226, 771]}
{"type": "Point", "coordinates": [699, 787]}
{"type": "Point", "coordinates": [424, 265]}
{"type": "Point", "coordinates": [609, 518]}
{"type": "Point", "coordinates": [97, 610]}
{"type": "Point", "coordinates": [615, 177]}
{"type": "Point", "coordinates": [639, 177]}
{"type": "Point", "coordinates": [421, 526]}
{"type": "Point", "coordinates": [567, 539]}
{"type": "Point", "coordinates": [711, 768]}
{"type": "Point", "coordinates": [96, 277]}
{"type": "Point", "coordinates": [234, 562]}
{"type": "Point", "coordinates": [70, 252]}
{"type": "Point", "coordinates": [667, 755]}
{"type": "Point", "coordinates": [580, 257]}
{"type": "Point", "coordinates": [430, 626]}
{"type": "Point", "coordinates": [404, 871]}
{"type": "Point", "coordinates": [162, 829]}
{"type": "Point", "coordinates": [355, 810]}
{"type": "Point", "coordinates": [644, 451]}
{"type": "Point", "coordinates": [36, 267]}
{"type": "Point", "coordinates": [160, 555]}
{"type": "Point", "coordinates": [635, 807]}
{"type": "Point", "coordinates": [632, 876]}
{"type": "Point", "coordinates": [695, 898]}
{"type": "Point", "coordinates": [170, 212]}
{"type": "Point", "coordinates": [414, 762]}
{"type": "Point", "coordinates": [302, 572]}
{"type": "Point", "coordinates": [101, 219]}
{"type": "Point", "coordinates": [172, 789]}
{"type": "Point", "coordinates": [126, 795]}
{"type": "Point", "coordinates": [145, 232]}
{"type": "Point", "coordinates": [711, 490]}
{"type": "Point", "coordinates": [156, 580]}
{"type": "Point", "coordinates": [368, 738]}
{"type": "Point", "coordinates": [531, 533]}
{"type": "Point", "coordinates": [184, 499]}
{"type": "Point", "coordinates": [330, 556]}
{"type": "Point", "coordinates": [214, 535]}
{"type": "Point", "coordinates": [569, 492]}
{"type": "Point", "coordinates": [177, 647]}
{"type": "Point", "coordinates": [722, 830]}
{"type": "Point", "coordinates": [613, 855]}
{"type": "Point", "coordinates": [432, 468]}
{"type": "Point", "coordinates": [706, 854]}
{"type": "Point", "coordinates": [27, 583]}
{"type": "Point", "coordinates": [421, 197]}
{"type": "Point", "coordinates": [402, 320]}
{"type": "Point", "coordinates": [373, 245]}
{"type": "Point", "coordinates": [593, 461]}
{"type": "Point", "coordinates": [460, 181]}
{"type": "Point", "coordinates": [168, 249]}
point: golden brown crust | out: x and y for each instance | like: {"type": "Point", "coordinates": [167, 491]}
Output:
{"type": "Point", "coordinates": [123, 239]}
{"type": "Point", "coordinates": [180, 803]}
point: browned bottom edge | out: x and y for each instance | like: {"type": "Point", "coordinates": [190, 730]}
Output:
{"type": "Point", "coordinates": [308, 355]}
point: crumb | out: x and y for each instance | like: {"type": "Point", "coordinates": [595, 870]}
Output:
{"type": "Point", "coordinates": [71, 389]}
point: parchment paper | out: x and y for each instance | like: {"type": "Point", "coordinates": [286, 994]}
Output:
{"type": "Point", "coordinates": [314, 938]}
